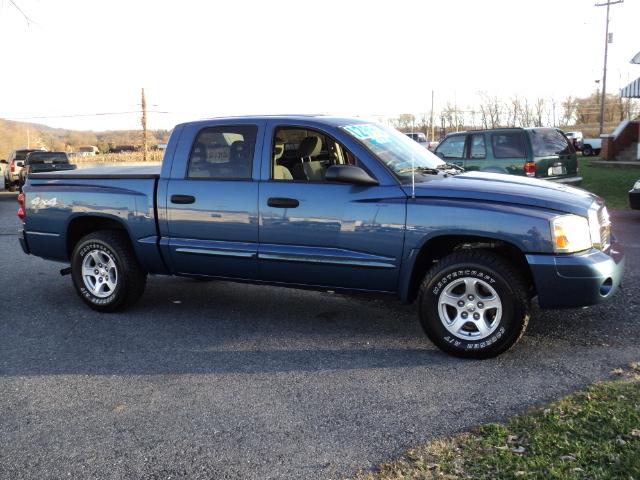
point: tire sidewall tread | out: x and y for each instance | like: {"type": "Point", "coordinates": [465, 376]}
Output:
{"type": "Point", "coordinates": [131, 277]}
{"type": "Point", "coordinates": [500, 274]}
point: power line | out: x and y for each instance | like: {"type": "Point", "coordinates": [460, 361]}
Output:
{"type": "Point", "coordinates": [26, 17]}
{"type": "Point", "coordinates": [78, 115]}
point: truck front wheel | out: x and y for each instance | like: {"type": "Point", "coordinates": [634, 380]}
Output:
{"type": "Point", "coordinates": [105, 271]}
{"type": "Point", "coordinates": [474, 304]}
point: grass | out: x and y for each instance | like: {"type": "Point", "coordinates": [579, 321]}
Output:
{"type": "Point", "coordinates": [592, 434]}
{"type": "Point", "coordinates": [153, 156]}
{"type": "Point", "coordinates": [611, 183]}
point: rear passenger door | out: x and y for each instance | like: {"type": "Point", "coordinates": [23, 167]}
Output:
{"type": "Point", "coordinates": [211, 223]}
{"type": "Point", "coordinates": [509, 152]}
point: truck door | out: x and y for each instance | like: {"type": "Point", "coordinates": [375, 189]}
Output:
{"type": "Point", "coordinates": [319, 233]}
{"type": "Point", "coordinates": [211, 225]}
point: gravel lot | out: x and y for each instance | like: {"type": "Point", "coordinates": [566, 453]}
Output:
{"type": "Point", "coordinates": [219, 380]}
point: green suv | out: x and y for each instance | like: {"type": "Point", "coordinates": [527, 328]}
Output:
{"type": "Point", "coordinates": [533, 152]}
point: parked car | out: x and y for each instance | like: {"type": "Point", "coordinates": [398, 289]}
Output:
{"type": "Point", "coordinates": [4, 174]}
{"type": "Point", "coordinates": [533, 152]}
{"type": "Point", "coordinates": [432, 145]}
{"type": "Point", "coordinates": [591, 146]}
{"type": "Point", "coordinates": [16, 162]}
{"type": "Point", "coordinates": [37, 162]}
{"type": "Point", "coordinates": [575, 138]}
{"type": "Point", "coordinates": [331, 204]}
{"type": "Point", "coordinates": [634, 196]}
{"type": "Point", "coordinates": [421, 138]}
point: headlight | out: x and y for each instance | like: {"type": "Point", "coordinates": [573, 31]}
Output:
{"type": "Point", "coordinates": [636, 186]}
{"type": "Point", "coordinates": [570, 234]}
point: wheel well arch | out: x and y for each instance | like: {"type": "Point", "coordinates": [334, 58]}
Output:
{"type": "Point", "coordinates": [438, 247]}
{"type": "Point", "coordinates": [83, 225]}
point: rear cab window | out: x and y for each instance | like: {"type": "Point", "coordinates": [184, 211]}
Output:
{"type": "Point", "coordinates": [47, 157]}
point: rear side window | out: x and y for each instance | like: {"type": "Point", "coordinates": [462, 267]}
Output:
{"type": "Point", "coordinates": [452, 147]}
{"type": "Point", "coordinates": [478, 148]}
{"type": "Point", "coordinates": [508, 145]}
{"type": "Point", "coordinates": [549, 141]}
{"type": "Point", "coordinates": [224, 152]}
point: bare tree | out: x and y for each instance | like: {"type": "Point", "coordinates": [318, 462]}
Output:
{"type": "Point", "coordinates": [539, 109]}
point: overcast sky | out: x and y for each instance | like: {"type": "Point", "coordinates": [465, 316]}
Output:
{"type": "Point", "coordinates": [202, 58]}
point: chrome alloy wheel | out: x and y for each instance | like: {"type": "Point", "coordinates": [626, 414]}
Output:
{"type": "Point", "coordinates": [470, 308]}
{"type": "Point", "coordinates": [99, 273]}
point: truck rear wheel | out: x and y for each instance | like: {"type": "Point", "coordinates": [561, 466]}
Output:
{"type": "Point", "coordinates": [105, 271]}
{"type": "Point", "coordinates": [474, 304]}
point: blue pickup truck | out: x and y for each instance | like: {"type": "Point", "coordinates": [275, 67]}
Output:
{"type": "Point", "coordinates": [329, 203]}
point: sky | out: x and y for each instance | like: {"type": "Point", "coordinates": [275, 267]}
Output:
{"type": "Point", "coordinates": [200, 59]}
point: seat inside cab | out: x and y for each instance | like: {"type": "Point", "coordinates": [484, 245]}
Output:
{"type": "Point", "coordinates": [304, 155]}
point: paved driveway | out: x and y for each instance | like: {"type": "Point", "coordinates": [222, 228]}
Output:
{"type": "Point", "coordinates": [219, 380]}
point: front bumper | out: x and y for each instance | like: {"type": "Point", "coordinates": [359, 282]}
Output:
{"type": "Point", "coordinates": [634, 199]}
{"type": "Point", "coordinates": [588, 278]}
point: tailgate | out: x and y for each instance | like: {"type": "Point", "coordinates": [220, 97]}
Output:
{"type": "Point", "coordinates": [556, 166]}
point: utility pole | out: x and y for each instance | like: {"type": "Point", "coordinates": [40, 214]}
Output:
{"type": "Point", "coordinates": [144, 128]}
{"type": "Point", "coordinates": [606, 51]}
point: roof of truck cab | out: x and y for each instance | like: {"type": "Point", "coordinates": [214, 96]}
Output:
{"type": "Point", "coordinates": [320, 118]}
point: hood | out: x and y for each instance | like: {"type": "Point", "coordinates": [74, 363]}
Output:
{"type": "Point", "coordinates": [512, 189]}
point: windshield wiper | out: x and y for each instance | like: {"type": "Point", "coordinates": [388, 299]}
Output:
{"type": "Point", "coordinates": [450, 166]}
{"type": "Point", "coordinates": [431, 171]}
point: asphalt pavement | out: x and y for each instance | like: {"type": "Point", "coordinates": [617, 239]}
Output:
{"type": "Point", "coordinates": [229, 381]}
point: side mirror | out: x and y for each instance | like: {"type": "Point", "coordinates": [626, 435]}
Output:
{"type": "Point", "coordinates": [349, 174]}
{"type": "Point", "coordinates": [3, 161]}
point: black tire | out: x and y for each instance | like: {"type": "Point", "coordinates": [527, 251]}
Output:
{"type": "Point", "coordinates": [482, 267]}
{"type": "Point", "coordinates": [131, 279]}
{"type": "Point", "coordinates": [12, 187]}
{"type": "Point", "coordinates": [587, 151]}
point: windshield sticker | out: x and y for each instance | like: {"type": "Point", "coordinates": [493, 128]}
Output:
{"type": "Point", "coordinates": [368, 132]}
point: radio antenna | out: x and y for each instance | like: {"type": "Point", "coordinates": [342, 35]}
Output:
{"type": "Point", "coordinates": [413, 178]}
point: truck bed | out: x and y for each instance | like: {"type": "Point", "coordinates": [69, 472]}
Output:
{"type": "Point", "coordinates": [61, 206]}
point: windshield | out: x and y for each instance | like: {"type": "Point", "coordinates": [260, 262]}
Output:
{"type": "Point", "coordinates": [549, 141]}
{"type": "Point", "coordinates": [396, 150]}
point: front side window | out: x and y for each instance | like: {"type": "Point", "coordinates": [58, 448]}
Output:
{"type": "Point", "coordinates": [452, 147]}
{"type": "Point", "coordinates": [224, 152]}
{"type": "Point", "coordinates": [478, 148]}
{"type": "Point", "coordinates": [508, 145]}
{"type": "Point", "coordinates": [549, 141]}
{"type": "Point", "coordinates": [398, 152]}
{"type": "Point", "coordinates": [303, 154]}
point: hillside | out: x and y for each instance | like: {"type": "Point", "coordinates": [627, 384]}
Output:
{"type": "Point", "coordinates": [20, 135]}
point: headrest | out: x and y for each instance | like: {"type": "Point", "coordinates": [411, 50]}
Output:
{"type": "Point", "coordinates": [199, 151]}
{"type": "Point", "coordinates": [310, 147]}
{"type": "Point", "coordinates": [237, 151]}
{"type": "Point", "coordinates": [278, 149]}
